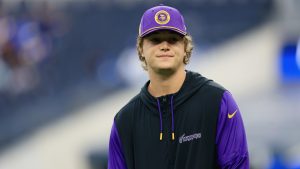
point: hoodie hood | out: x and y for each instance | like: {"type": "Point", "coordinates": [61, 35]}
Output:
{"type": "Point", "coordinates": [192, 83]}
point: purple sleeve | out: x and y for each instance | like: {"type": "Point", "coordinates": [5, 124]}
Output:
{"type": "Point", "coordinates": [232, 151]}
{"type": "Point", "coordinates": [116, 159]}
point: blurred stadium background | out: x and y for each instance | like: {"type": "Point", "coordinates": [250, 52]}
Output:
{"type": "Point", "coordinates": [67, 66]}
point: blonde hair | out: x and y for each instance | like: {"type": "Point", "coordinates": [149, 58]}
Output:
{"type": "Point", "coordinates": [188, 47]}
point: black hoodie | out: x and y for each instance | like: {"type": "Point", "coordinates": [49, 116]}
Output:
{"type": "Point", "coordinates": [145, 126]}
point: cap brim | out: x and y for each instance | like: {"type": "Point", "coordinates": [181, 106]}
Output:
{"type": "Point", "coordinates": [147, 32]}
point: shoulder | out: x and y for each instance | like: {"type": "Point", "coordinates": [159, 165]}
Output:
{"type": "Point", "coordinates": [226, 99]}
{"type": "Point", "coordinates": [212, 85]}
{"type": "Point", "coordinates": [212, 88]}
{"type": "Point", "coordinates": [126, 113]}
{"type": "Point", "coordinates": [228, 104]}
{"type": "Point", "coordinates": [124, 119]}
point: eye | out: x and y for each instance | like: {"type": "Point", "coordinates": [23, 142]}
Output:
{"type": "Point", "coordinates": [173, 40]}
{"type": "Point", "coordinates": [155, 40]}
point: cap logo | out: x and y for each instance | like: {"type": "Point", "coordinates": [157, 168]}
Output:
{"type": "Point", "coordinates": [162, 17]}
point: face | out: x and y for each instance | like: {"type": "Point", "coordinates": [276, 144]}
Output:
{"type": "Point", "coordinates": [163, 51]}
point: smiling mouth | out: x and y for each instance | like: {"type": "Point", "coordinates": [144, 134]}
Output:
{"type": "Point", "coordinates": [164, 56]}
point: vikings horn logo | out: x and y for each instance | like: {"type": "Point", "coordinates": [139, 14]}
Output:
{"type": "Point", "coordinates": [162, 17]}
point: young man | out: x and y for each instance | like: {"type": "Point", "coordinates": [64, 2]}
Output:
{"type": "Point", "coordinates": [180, 119]}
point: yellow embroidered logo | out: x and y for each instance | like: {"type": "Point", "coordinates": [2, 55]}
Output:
{"type": "Point", "coordinates": [162, 17]}
{"type": "Point", "coordinates": [231, 115]}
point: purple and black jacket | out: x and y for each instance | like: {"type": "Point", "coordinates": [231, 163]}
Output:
{"type": "Point", "coordinates": [199, 127]}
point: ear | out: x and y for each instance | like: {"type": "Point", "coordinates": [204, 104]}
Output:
{"type": "Point", "coordinates": [142, 55]}
{"type": "Point", "coordinates": [143, 58]}
{"type": "Point", "coordinates": [142, 52]}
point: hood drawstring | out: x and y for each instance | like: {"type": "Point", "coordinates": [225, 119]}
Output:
{"type": "Point", "coordinates": [160, 117]}
{"type": "Point", "coordinates": [161, 129]}
{"type": "Point", "coordinates": [173, 133]}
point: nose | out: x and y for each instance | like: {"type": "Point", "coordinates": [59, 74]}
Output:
{"type": "Point", "coordinates": [164, 46]}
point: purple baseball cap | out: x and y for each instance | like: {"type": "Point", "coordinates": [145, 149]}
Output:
{"type": "Point", "coordinates": [162, 18]}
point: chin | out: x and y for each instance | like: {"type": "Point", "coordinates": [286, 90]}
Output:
{"type": "Point", "coordinates": [165, 70]}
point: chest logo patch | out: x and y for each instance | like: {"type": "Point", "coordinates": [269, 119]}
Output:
{"type": "Point", "coordinates": [189, 138]}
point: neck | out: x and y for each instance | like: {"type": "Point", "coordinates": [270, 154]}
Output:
{"type": "Point", "coordinates": [166, 83]}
